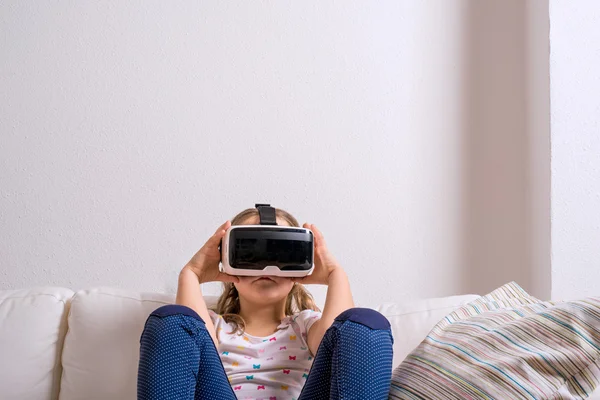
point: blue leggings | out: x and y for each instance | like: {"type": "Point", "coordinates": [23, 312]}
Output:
{"type": "Point", "coordinates": [178, 359]}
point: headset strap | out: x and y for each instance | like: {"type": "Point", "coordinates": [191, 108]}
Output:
{"type": "Point", "coordinates": [266, 213]}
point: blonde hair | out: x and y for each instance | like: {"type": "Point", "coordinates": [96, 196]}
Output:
{"type": "Point", "coordinates": [228, 305]}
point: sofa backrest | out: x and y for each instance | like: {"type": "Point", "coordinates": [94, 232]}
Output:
{"type": "Point", "coordinates": [101, 350]}
{"type": "Point", "coordinates": [33, 323]}
{"type": "Point", "coordinates": [101, 347]}
{"type": "Point", "coordinates": [412, 320]}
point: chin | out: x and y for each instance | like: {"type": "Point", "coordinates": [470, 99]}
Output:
{"type": "Point", "coordinates": [266, 294]}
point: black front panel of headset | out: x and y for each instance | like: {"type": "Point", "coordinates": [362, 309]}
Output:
{"type": "Point", "coordinates": [255, 248]}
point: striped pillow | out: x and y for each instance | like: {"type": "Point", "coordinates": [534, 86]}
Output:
{"type": "Point", "coordinates": [506, 345]}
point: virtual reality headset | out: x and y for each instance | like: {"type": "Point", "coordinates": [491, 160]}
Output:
{"type": "Point", "coordinates": [267, 249]}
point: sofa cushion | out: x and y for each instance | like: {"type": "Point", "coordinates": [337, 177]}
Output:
{"type": "Point", "coordinates": [101, 350]}
{"type": "Point", "coordinates": [507, 344]}
{"type": "Point", "coordinates": [32, 328]}
{"type": "Point", "coordinates": [412, 320]}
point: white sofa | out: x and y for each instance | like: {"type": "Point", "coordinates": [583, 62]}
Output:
{"type": "Point", "coordinates": [57, 344]}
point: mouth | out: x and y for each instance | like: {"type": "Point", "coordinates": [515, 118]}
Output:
{"type": "Point", "coordinates": [264, 278]}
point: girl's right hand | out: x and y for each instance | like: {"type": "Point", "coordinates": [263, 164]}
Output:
{"type": "Point", "coordinates": [205, 263]}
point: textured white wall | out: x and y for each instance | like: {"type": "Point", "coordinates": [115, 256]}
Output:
{"type": "Point", "coordinates": [575, 88]}
{"type": "Point", "coordinates": [131, 130]}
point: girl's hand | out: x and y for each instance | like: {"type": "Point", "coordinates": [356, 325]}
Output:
{"type": "Point", "coordinates": [324, 261]}
{"type": "Point", "coordinates": [205, 263]}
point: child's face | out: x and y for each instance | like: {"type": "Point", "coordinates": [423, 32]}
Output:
{"type": "Point", "coordinates": [263, 289]}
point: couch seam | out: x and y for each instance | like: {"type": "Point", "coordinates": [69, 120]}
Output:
{"type": "Point", "coordinates": [64, 301]}
{"type": "Point", "coordinates": [125, 297]}
{"type": "Point", "coordinates": [418, 312]}
{"type": "Point", "coordinates": [68, 304]}
{"type": "Point", "coordinates": [132, 298]}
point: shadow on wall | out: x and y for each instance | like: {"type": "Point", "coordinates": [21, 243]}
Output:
{"type": "Point", "coordinates": [506, 147]}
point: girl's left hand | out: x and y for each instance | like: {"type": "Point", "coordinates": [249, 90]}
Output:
{"type": "Point", "coordinates": [324, 261]}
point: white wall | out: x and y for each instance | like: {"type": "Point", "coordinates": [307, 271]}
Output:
{"type": "Point", "coordinates": [131, 130]}
{"type": "Point", "coordinates": [575, 88]}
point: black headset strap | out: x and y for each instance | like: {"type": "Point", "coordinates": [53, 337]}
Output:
{"type": "Point", "coordinates": [267, 214]}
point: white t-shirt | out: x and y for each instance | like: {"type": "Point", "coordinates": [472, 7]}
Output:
{"type": "Point", "coordinates": [273, 367]}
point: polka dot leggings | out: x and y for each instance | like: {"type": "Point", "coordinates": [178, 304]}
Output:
{"type": "Point", "coordinates": [178, 359]}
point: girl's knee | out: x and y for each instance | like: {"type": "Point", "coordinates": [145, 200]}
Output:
{"type": "Point", "coordinates": [175, 309]}
{"type": "Point", "coordinates": [365, 316]}
{"type": "Point", "coordinates": [164, 322]}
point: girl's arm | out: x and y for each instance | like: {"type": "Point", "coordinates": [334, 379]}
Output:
{"type": "Point", "coordinates": [203, 267]}
{"type": "Point", "coordinates": [190, 295]}
{"type": "Point", "coordinates": [338, 300]}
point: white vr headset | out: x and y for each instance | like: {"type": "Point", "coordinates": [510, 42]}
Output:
{"type": "Point", "coordinates": [267, 249]}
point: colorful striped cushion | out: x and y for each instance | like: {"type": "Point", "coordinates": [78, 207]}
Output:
{"type": "Point", "coordinates": [506, 345]}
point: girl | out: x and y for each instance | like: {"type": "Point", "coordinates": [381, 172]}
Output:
{"type": "Point", "coordinates": [266, 338]}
